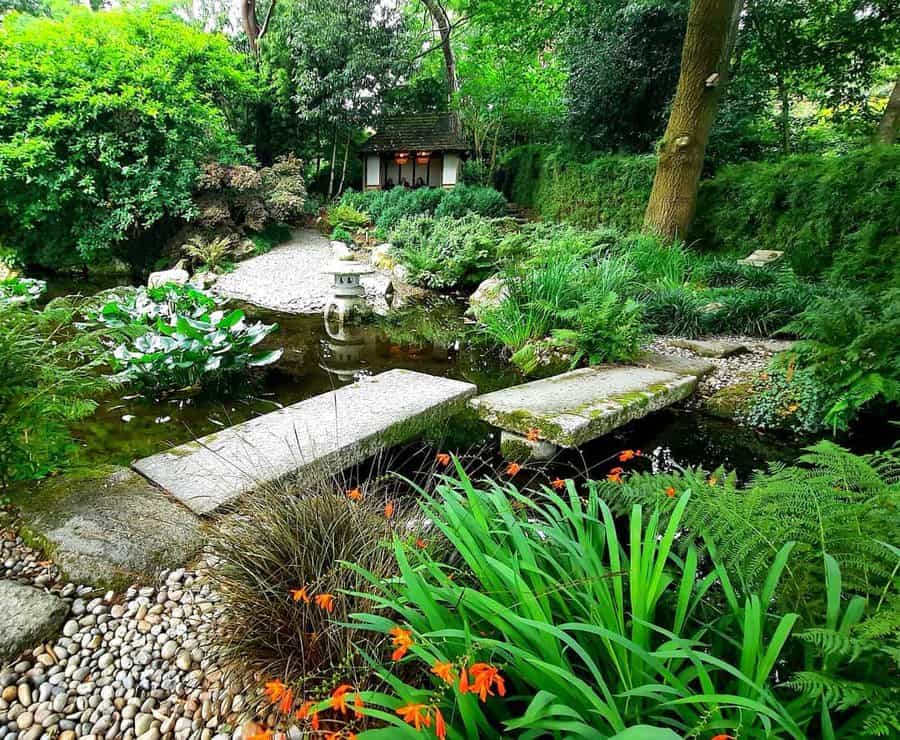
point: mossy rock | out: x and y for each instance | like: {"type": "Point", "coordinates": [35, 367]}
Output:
{"type": "Point", "coordinates": [728, 402]}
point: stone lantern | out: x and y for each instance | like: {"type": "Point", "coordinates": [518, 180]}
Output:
{"type": "Point", "coordinates": [347, 295]}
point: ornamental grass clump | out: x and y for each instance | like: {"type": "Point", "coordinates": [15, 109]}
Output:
{"type": "Point", "coordinates": [286, 593]}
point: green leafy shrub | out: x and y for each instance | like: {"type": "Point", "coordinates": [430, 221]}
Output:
{"type": "Point", "coordinates": [342, 235]}
{"type": "Point", "coordinates": [19, 290]}
{"type": "Point", "coordinates": [210, 253]}
{"type": "Point", "coordinates": [840, 510]}
{"type": "Point", "coordinates": [851, 342]}
{"type": "Point", "coordinates": [586, 630]}
{"type": "Point", "coordinates": [270, 237]}
{"type": "Point", "coordinates": [181, 340]}
{"type": "Point", "coordinates": [46, 386]}
{"type": "Point", "coordinates": [676, 310]}
{"type": "Point", "coordinates": [388, 207]}
{"type": "Point", "coordinates": [347, 219]}
{"type": "Point", "coordinates": [139, 86]}
{"type": "Point", "coordinates": [447, 252]}
{"type": "Point", "coordinates": [784, 397]}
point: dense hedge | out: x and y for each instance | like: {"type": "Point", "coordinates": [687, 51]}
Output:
{"type": "Point", "coordinates": [561, 186]}
{"type": "Point", "coordinates": [812, 207]}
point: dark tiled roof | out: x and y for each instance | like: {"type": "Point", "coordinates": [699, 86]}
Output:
{"type": "Point", "coordinates": [425, 131]}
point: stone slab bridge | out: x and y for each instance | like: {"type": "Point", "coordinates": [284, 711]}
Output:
{"type": "Point", "coordinates": [130, 522]}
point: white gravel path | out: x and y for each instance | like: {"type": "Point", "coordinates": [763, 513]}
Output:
{"type": "Point", "coordinates": [290, 278]}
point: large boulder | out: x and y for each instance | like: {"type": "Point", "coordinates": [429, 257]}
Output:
{"type": "Point", "coordinates": [28, 617]}
{"type": "Point", "coordinates": [177, 275]}
{"type": "Point", "coordinates": [490, 294]}
{"type": "Point", "coordinates": [382, 258]}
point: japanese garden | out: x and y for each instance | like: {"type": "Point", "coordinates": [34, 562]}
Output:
{"type": "Point", "coordinates": [449, 369]}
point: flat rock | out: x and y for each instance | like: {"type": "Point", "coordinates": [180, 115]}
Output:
{"type": "Point", "coordinates": [28, 616]}
{"type": "Point", "coordinates": [576, 407]}
{"type": "Point", "coordinates": [710, 347]}
{"type": "Point", "coordinates": [316, 437]}
{"type": "Point", "coordinates": [111, 528]}
{"type": "Point", "coordinates": [761, 257]}
{"type": "Point", "coordinates": [676, 364]}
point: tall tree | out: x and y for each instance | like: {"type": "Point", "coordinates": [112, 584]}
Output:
{"type": "Point", "coordinates": [890, 119]}
{"type": "Point", "coordinates": [708, 42]}
{"type": "Point", "coordinates": [252, 27]}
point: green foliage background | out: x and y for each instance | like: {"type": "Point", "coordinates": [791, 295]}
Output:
{"type": "Point", "coordinates": [104, 121]}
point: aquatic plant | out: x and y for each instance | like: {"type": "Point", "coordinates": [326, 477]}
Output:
{"type": "Point", "coordinates": [20, 290]}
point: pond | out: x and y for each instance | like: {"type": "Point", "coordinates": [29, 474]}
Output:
{"type": "Point", "coordinates": [432, 337]}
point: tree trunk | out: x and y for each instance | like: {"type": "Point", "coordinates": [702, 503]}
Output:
{"type": "Point", "coordinates": [784, 119]}
{"type": "Point", "coordinates": [344, 168]}
{"type": "Point", "coordinates": [890, 119]}
{"type": "Point", "coordinates": [333, 162]}
{"type": "Point", "coordinates": [442, 21]}
{"type": "Point", "coordinates": [708, 42]}
{"type": "Point", "coordinates": [254, 31]}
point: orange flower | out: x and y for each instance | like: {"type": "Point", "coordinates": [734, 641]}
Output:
{"type": "Point", "coordinates": [339, 698]}
{"type": "Point", "coordinates": [420, 543]}
{"type": "Point", "coordinates": [670, 491]}
{"type": "Point", "coordinates": [440, 729]}
{"type": "Point", "coordinates": [558, 483]}
{"type": "Point", "coordinates": [300, 594]}
{"type": "Point", "coordinates": [401, 640]}
{"type": "Point", "coordinates": [315, 721]}
{"type": "Point", "coordinates": [389, 509]}
{"type": "Point", "coordinates": [275, 690]}
{"type": "Point", "coordinates": [287, 702]}
{"type": "Point", "coordinates": [513, 468]}
{"type": "Point", "coordinates": [533, 435]}
{"type": "Point", "coordinates": [443, 459]}
{"type": "Point", "coordinates": [415, 715]}
{"type": "Point", "coordinates": [332, 736]}
{"type": "Point", "coordinates": [484, 677]}
{"type": "Point", "coordinates": [443, 671]}
{"type": "Point", "coordinates": [354, 494]}
{"type": "Point", "coordinates": [303, 712]}
{"type": "Point", "coordinates": [615, 475]}
{"type": "Point", "coordinates": [357, 705]}
{"type": "Point", "coordinates": [463, 680]}
{"type": "Point", "coordinates": [626, 455]}
{"type": "Point", "coordinates": [326, 602]}
{"type": "Point", "coordinates": [722, 737]}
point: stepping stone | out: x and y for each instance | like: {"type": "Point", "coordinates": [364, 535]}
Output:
{"type": "Point", "coordinates": [581, 405]}
{"type": "Point", "coordinates": [112, 530]}
{"type": "Point", "coordinates": [312, 439]}
{"type": "Point", "coordinates": [710, 347]}
{"type": "Point", "coordinates": [761, 257]}
{"type": "Point", "coordinates": [28, 617]}
{"type": "Point", "coordinates": [676, 364]}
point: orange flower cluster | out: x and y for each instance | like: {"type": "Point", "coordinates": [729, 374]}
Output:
{"type": "Point", "coordinates": [615, 475]}
{"type": "Point", "coordinates": [443, 459]}
{"type": "Point", "coordinates": [389, 509]}
{"type": "Point", "coordinates": [533, 435]}
{"type": "Point", "coordinates": [479, 679]}
{"type": "Point", "coordinates": [420, 715]}
{"type": "Point", "coordinates": [513, 468]}
{"type": "Point", "coordinates": [279, 693]}
{"type": "Point", "coordinates": [626, 455]}
{"type": "Point", "coordinates": [670, 491]}
{"type": "Point", "coordinates": [558, 483]}
{"type": "Point", "coordinates": [402, 641]}
{"type": "Point", "coordinates": [323, 601]}
{"type": "Point", "coordinates": [355, 494]}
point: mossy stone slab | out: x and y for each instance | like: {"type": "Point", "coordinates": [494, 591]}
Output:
{"type": "Point", "coordinates": [576, 407]}
{"type": "Point", "coordinates": [314, 438]}
{"type": "Point", "coordinates": [676, 364]}
{"type": "Point", "coordinates": [111, 529]}
{"type": "Point", "coordinates": [711, 347]}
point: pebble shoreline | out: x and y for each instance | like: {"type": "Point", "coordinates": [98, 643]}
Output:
{"type": "Point", "coordinates": [129, 665]}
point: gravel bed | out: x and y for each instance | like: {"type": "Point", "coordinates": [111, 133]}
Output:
{"type": "Point", "coordinates": [130, 665]}
{"type": "Point", "coordinates": [729, 370]}
{"type": "Point", "coordinates": [290, 277]}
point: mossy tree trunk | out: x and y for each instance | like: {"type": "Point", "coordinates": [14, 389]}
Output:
{"type": "Point", "coordinates": [711, 30]}
{"type": "Point", "coordinates": [890, 119]}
